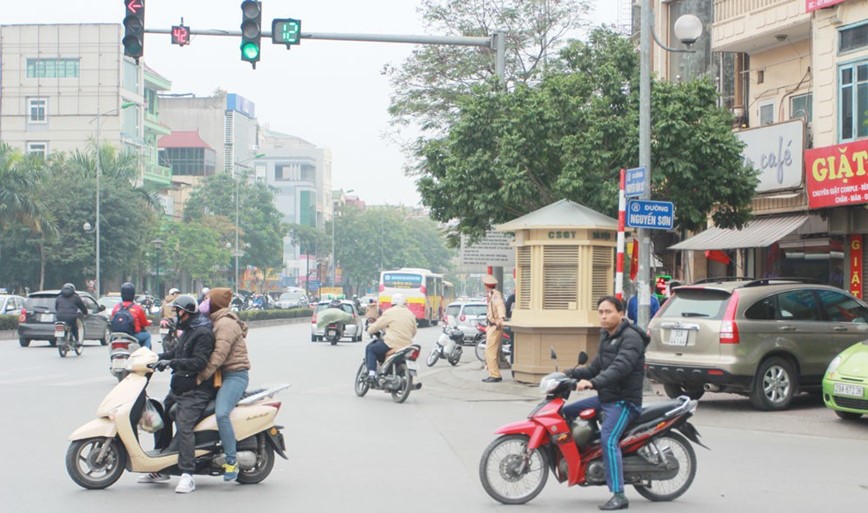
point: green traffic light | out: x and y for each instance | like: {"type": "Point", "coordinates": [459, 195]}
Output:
{"type": "Point", "coordinates": [250, 51]}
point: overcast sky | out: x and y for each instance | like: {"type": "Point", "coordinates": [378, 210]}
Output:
{"type": "Point", "coordinates": [327, 92]}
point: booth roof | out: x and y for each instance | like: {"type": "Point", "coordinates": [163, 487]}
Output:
{"type": "Point", "coordinates": [559, 215]}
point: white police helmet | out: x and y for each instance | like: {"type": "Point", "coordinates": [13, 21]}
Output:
{"type": "Point", "coordinates": [398, 300]}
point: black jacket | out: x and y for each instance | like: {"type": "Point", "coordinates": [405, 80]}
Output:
{"type": "Point", "coordinates": [618, 370]}
{"type": "Point", "coordinates": [189, 357]}
{"type": "Point", "coordinates": [68, 307]}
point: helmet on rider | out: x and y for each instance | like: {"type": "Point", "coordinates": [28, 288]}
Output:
{"type": "Point", "coordinates": [398, 300]}
{"type": "Point", "coordinates": [205, 291]}
{"type": "Point", "coordinates": [174, 292]}
{"type": "Point", "coordinates": [67, 290]}
{"type": "Point", "coordinates": [185, 303]}
{"type": "Point", "coordinates": [128, 291]}
{"type": "Point", "coordinates": [335, 303]}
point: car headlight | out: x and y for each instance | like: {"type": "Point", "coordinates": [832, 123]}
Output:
{"type": "Point", "coordinates": [833, 365]}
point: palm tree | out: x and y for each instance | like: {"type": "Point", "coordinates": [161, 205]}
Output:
{"type": "Point", "coordinates": [19, 178]}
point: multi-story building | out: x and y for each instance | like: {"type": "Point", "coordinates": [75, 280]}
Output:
{"type": "Point", "coordinates": [795, 75]}
{"type": "Point", "coordinates": [189, 159]}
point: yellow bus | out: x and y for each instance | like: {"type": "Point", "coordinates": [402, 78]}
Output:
{"type": "Point", "coordinates": [422, 289]}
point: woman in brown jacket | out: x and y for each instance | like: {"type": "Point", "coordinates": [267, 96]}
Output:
{"type": "Point", "coordinates": [230, 358]}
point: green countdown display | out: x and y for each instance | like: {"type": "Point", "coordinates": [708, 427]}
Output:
{"type": "Point", "coordinates": [286, 31]}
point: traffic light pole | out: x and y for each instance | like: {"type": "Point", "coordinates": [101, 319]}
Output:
{"type": "Point", "coordinates": [497, 40]}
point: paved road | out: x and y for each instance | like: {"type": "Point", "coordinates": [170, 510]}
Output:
{"type": "Point", "coordinates": [370, 454]}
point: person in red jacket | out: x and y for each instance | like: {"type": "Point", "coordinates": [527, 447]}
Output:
{"type": "Point", "coordinates": [140, 321]}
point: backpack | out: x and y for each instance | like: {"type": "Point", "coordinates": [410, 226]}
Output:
{"type": "Point", "coordinates": [123, 322]}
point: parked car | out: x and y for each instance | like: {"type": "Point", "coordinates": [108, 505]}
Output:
{"type": "Point", "coordinates": [291, 300]}
{"type": "Point", "coordinates": [11, 304]}
{"type": "Point", "coordinates": [36, 321]}
{"type": "Point", "coordinates": [354, 330]}
{"type": "Point", "coordinates": [767, 339]}
{"type": "Point", "coordinates": [465, 315]}
{"type": "Point", "coordinates": [845, 385]}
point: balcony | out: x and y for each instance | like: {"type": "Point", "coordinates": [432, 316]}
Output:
{"type": "Point", "coordinates": [753, 26]}
{"type": "Point", "coordinates": [157, 175]}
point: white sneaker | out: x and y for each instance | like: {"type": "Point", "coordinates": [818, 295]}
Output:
{"type": "Point", "coordinates": [186, 484]}
{"type": "Point", "coordinates": [153, 477]}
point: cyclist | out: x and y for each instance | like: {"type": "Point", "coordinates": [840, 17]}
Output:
{"type": "Point", "coordinates": [67, 307]}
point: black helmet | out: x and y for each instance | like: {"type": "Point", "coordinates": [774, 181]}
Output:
{"type": "Point", "coordinates": [186, 303]}
{"type": "Point", "coordinates": [67, 290]}
{"type": "Point", "coordinates": [335, 303]}
{"type": "Point", "coordinates": [128, 291]}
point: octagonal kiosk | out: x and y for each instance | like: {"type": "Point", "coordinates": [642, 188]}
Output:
{"type": "Point", "coordinates": [565, 261]}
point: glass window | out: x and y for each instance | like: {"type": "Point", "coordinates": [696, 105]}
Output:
{"type": "Point", "coordinates": [402, 280]}
{"type": "Point", "coordinates": [842, 308]}
{"type": "Point", "coordinates": [131, 76]}
{"type": "Point", "coordinates": [37, 109]}
{"type": "Point", "coordinates": [696, 302]}
{"type": "Point", "coordinates": [53, 68]}
{"type": "Point", "coordinates": [800, 107]}
{"type": "Point", "coordinates": [853, 90]}
{"type": "Point", "coordinates": [40, 149]}
{"type": "Point", "coordinates": [767, 114]}
{"type": "Point", "coordinates": [852, 38]}
{"type": "Point", "coordinates": [763, 310]}
{"type": "Point", "coordinates": [798, 305]}
{"type": "Point", "coordinates": [472, 310]}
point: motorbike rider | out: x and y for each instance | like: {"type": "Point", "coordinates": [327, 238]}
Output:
{"type": "Point", "coordinates": [617, 374]}
{"type": "Point", "coordinates": [166, 312]}
{"type": "Point", "coordinates": [334, 313]}
{"type": "Point", "coordinates": [140, 319]}
{"type": "Point", "coordinates": [67, 306]}
{"type": "Point", "coordinates": [189, 396]}
{"type": "Point", "coordinates": [400, 325]}
{"type": "Point", "coordinates": [229, 361]}
{"type": "Point", "coordinates": [372, 312]}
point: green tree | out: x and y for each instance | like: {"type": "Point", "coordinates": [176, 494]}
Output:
{"type": "Point", "coordinates": [194, 251]}
{"type": "Point", "coordinates": [512, 152]}
{"type": "Point", "coordinates": [428, 85]}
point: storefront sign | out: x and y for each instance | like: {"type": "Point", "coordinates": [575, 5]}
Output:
{"type": "Point", "coordinates": [855, 242]}
{"type": "Point", "coordinates": [813, 5]}
{"type": "Point", "coordinates": [775, 151]}
{"type": "Point", "coordinates": [837, 175]}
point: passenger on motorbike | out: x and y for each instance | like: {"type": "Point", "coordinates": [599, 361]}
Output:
{"type": "Point", "coordinates": [400, 325]}
{"type": "Point", "coordinates": [617, 373]}
{"type": "Point", "coordinates": [334, 314]}
{"type": "Point", "coordinates": [140, 320]}
{"type": "Point", "coordinates": [372, 312]}
{"type": "Point", "coordinates": [67, 307]}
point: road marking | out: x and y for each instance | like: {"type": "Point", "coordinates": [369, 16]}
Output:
{"type": "Point", "coordinates": [33, 379]}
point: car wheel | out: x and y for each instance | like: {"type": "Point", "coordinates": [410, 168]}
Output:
{"type": "Point", "coordinates": [106, 335]}
{"type": "Point", "coordinates": [313, 338]}
{"type": "Point", "coordinates": [23, 342]}
{"type": "Point", "coordinates": [674, 391]}
{"type": "Point", "coordinates": [848, 415]}
{"type": "Point", "coordinates": [775, 385]}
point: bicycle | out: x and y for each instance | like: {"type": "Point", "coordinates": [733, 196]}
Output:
{"type": "Point", "coordinates": [65, 342]}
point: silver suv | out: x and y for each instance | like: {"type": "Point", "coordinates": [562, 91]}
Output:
{"type": "Point", "coordinates": [767, 339]}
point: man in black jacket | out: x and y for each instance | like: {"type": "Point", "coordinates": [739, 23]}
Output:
{"type": "Point", "coordinates": [67, 306]}
{"type": "Point", "coordinates": [617, 374]}
{"type": "Point", "coordinates": [186, 360]}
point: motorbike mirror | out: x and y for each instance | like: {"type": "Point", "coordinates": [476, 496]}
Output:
{"type": "Point", "coordinates": [554, 356]}
{"type": "Point", "coordinates": [583, 358]}
{"type": "Point", "coordinates": [101, 308]}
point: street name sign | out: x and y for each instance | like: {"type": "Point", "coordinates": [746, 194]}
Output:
{"type": "Point", "coordinates": [656, 215]}
{"type": "Point", "coordinates": [634, 182]}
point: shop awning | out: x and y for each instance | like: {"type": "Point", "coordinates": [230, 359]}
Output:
{"type": "Point", "coordinates": [757, 233]}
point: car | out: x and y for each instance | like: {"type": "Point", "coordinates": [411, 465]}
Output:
{"type": "Point", "coordinates": [109, 301]}
{"type": "Point", "coordinates": [465, 315]}
{"type": "Point", "coordinates": [768, 339]}
{"type": "Point", "coordinates": [845, 385]}
{"type": "Point", "coordinates": [291, 300]}
{"type": "Point", "coordinates": [11, 304]}
{"type": "Point", "coordinates": [354, 330]}
{"type": "Point", "coordinates": [36, 321]}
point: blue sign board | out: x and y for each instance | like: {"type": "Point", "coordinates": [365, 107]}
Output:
{"type": "Point", "coordinates": [634, 182]}
{"type": "Point", "coordinates": [657, 215]}
{"type": "Point", "coordinates": [313, 284]}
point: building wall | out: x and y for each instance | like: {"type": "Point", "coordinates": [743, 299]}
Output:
{"type": "Point", "coordinates": [205, 115]}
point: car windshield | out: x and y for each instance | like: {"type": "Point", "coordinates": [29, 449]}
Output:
{"type": "Point", "coordinates": [453, 310]}
{"type": "Point", "coordinates": [708, 303]}
{"type": "Point", "coordinates": [40, 304]}
{"type": "Point", "coordinates": [344, 306]}
{"type": "Point", "coordinates": [471, 310]}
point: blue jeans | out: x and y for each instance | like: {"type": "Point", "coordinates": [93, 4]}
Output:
{"type": "Point", "coordinates": [375, 352]}
{"type": "Point", "coordinates": [144, 338]}
{"type": "Point", "coordinates": [616, 417]}
{"type": "Point", "coordinates": [234, 385]}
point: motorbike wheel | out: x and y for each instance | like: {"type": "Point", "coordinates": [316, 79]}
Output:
{"type": "Point", "coordinates": [264, 464]}
{"type": "Point", "coordinates": [86, 472]}
{"type": "Point", "coordinates": [62, 348]}
{"type": "Point", "coordinates": [78, 348]}
{"type": "Point", "coordinates": [362, 385]}
{"type": "Point", "coordinates": [433, 357]}
{"type": "Point", "coordinates": [401, 395]}
{"type": "Point", "coordinates": [677, 446]}
{"type": "Point", "coordinates": [334, 341]}
{"type": "Point", "coordinates": [480, 351]}
{"type": "Point", "coordinates": [674, 391]}
{"type": "Point", "coordinates": [121, 375]}
{"type": "Point", "coordinates": [501, 473]}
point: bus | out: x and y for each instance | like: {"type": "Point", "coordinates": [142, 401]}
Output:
{"type": "Point", "coordinates": [422, 289]}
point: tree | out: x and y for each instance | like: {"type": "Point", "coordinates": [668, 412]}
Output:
{"type": "Point", "coordinates": [429, 84]}
{"type": "Point", "coordinates": [19, 178]}
{"type": "Point", "coordinates": [511, 152]}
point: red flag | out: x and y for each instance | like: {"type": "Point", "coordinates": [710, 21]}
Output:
{"type": "Point", "coordinates": [717, 256]}
{"type": "Point", "coordinates": [634, 260]}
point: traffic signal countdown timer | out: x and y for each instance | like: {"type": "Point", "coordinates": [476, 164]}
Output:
{"type": "Point", "coordinates": [286, 31]}
{"type": "Point", "coordinates": [134, 29]}
{"type": "Point", "coordinates": [251, 31]}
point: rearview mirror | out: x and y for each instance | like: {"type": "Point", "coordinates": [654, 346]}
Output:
{"type": "Point", "coordinates": [552, 353]}
{"type": "Point", "coordinates": [101, 308]}
{"type": "Point", "coordinates": [583, 358]}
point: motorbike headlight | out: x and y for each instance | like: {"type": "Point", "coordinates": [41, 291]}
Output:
{"type": "Point", "coordinates": [833, 365]}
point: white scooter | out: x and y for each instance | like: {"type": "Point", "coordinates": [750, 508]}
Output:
{"type": "Point", "coordinates": [448, 346]}
{"type": "Point", "coordinates": [101, 449]}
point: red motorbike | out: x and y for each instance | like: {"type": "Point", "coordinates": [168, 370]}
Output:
{"type": "Point", "coordinates": [658, 461]}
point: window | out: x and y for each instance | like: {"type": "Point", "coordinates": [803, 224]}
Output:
{"type": "Point", "coordinates": [853, 91]}
{"type": "Point", "coordinates": [40, 149]}
{"type": "Point", "coordinates": [800, 107]}
{"type": "Point", "coordinates": [53, 68]}
{"type": "Point", "coordinates": [853, 38]}
{"type": "Point", "coordinates": [842, 308]}
{"type": "Point", "coordinates": [763, 310]}
{"type": "Point", "coordinates": [131, 76]}
{"type": "Point", "coordinates": [287, 172]}
{"type": "Point", "coordinates": [767, 114]}
{"type": "Point", "coordinates": [798, 305]}
{"type": "Point", "coordinates": [560, 277]}
{"type": "Point", "coordinates": [130, 126]}
{"type": "Point", "coordinates": [37, 109]}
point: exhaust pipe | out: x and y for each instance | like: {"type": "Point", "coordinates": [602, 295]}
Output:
{"type": "Point", "coordinates": [417, 386]}
{"type": "Point", "coordinates": [708, 387]}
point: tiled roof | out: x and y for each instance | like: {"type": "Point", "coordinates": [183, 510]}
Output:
{"type": "Point", "coordinates": [183, 139]}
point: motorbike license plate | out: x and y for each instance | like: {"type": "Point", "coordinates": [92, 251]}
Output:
{"type": "Point", "coordinates": [58, 333]}
{"type": "Point", "coordinates": [678, 337]}
{"type": "Point", "coordinates": [851, 390]}
{"type": "Point", "coordinates": [412, 365]}
{"type": "Point", "coordinates": [332, 333]}
{"type": "Point", "coordinates": [164, 331]}
{"type": "Point", "coordinates": [46, 317]}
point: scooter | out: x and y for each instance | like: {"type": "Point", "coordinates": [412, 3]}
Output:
{"type": "Point", "coordinates": [394, 375]}
{"type": "Point", "coordinates": [101, 449]}
{"type": "Point", "coordinates": [121, 346]}
{"type": "Point", "coordinates": [333, 332]}
{"type": "Point", "coordinates": [448, 346]}
{"type": "Point", "coordinates": [658, 461]}
{"type": "Point", "coordinates": [505, 345]}
{"type": "Point", "coordinates": [65, 342]}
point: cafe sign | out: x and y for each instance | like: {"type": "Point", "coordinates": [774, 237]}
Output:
{"type": "Point", "coordinates": [775, 152]}
{"type": "Point", "coordinates": [837, 175]}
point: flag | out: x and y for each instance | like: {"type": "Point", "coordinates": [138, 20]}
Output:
{"type": "Point", "coordinates": [634, 260]}
{"type": "Point", "coordinates": [717, 256]}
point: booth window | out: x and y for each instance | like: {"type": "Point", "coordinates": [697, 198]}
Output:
{"type": "Point", "coordinates": [560, 277]}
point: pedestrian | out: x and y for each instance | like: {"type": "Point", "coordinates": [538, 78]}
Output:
{"type": "Point", "coordinates": [617, 374]}
{"type": "Point", "coordinates": [633, 307]}
{"type": "Point", "coordinates": [229, 366]}
{"type": "Point", "coordinates": [510, 301]}
{"type": "Point", "coordinates": [493, 335]}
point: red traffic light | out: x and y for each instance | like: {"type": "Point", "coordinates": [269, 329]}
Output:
{"type": "Point", "coordinates": [180, 35]}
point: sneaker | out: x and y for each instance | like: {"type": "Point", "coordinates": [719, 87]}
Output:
{"type": "Point", "coordinates": [153, 477]}
{"type": "Point", "coordinates": [186, 484]}
{"type": "Point", "coordinates": [230, 471]}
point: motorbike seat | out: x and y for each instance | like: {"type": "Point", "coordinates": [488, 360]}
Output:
{"type": "Point", "coordinates": [656, 410]}
{"type": "Point", "coordinates": [391, 351]}
{"type": "Point", "coordinates": [211, 407]}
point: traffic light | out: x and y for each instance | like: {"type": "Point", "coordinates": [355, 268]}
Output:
{"type": "Point", "coordinates": [180, 35]}
{"type": "Point", "coordinates": [251, 31]}
{"type": "Point", "coordinates": [286, 31]}
{"type": "Point", "coordinates": [134, 29]}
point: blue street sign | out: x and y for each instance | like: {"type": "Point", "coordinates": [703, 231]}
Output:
{"type": "Point", "coordinates": [314, 284]}
{"type": "Point", "coordinates": [657, 215]}
{"type": "Point", "coordinates": [634, 182]}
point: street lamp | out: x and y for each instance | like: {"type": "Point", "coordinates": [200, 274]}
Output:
{"type": "Point", "coordinates": [334, 222]}
{"type": "Point", "coordinates": [688, 28]}
{"type": "Point", "coordinates": [158, 245]}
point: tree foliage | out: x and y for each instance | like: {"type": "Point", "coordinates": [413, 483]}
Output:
{"type": "Point", "coordinates": [511, 152]}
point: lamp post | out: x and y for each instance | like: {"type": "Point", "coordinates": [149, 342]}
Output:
{"type": "Point", "coordinates": [688, 28]}
{"type": "Point", "coordinates": [334, 222]}
{"type": "Point", "coordinates": [158, 245]}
